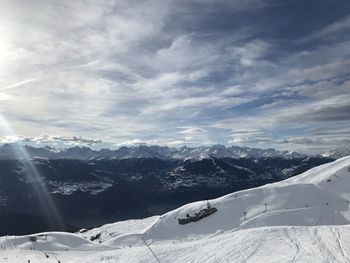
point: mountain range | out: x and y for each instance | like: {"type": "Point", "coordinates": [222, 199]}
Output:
{"type": "Point", "coordinates": [93, 187]}
{"type": "Point", "coordinates": [10, 151]}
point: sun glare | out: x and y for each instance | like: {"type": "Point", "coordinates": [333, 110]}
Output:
{"type": "Point", "coordinates": [46, 202]}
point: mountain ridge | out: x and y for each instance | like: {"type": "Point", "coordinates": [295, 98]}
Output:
{"type": "Point", "coordinates": [10, 151]}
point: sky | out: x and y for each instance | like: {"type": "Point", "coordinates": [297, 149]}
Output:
{"type": "Point", "coordinates": [186, 72]}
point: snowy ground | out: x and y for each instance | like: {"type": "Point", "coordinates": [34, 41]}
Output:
{"type": "Point", "coordinates": [301, 219]}
{"type": "Point", "coordinates": [273, 244]}
{"type": "Point", "coordinates": [110, 231]}
{"type": "Point", "coordinates": [267, 244]}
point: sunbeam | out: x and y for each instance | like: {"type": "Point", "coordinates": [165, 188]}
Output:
{"type": "Point", "coordinates": [45, 200]}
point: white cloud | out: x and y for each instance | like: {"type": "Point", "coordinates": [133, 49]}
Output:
{"type": "Point", "coordinates": [251, 52]}
{"type": "Point", "coordinates": [17, 84]}
{"type": "Point", "coordinates": [49, 140]}
{"type": "Point", "coordinates": [123, 70]}
{"type": "Point", "coordinates": [191, 130]}
{"type": "Point", "coordinates": [336, 27]}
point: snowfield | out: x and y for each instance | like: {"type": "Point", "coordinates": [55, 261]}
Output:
{"type": "Point", "coordinates": [302, 219]}
{"type": "Point", "coordinates": [266, 244]}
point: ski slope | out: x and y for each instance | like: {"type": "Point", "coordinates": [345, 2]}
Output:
{"type": "Point", "coordinates": [319, 196]}
{"type": "Point", "coordinates": [301, 219]}
{"type": "Point", "coordinates": [266, 244]}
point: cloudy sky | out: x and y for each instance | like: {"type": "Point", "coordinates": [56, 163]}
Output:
{"type": "Point", "coordinates": [185, 72]}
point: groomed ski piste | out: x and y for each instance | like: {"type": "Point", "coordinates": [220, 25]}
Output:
{"type": "Point", "coordinates": [302, 219]}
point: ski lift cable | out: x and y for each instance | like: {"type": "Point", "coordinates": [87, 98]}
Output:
{"type": "Point", "coordinates": [155, 256]}
{"type": "Point", "coordinates": [54, 255]}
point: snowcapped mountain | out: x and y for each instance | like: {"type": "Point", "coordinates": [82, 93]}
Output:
{"type": "Point", "coordinates": [10, 151]}
{"type": "Point", "coordinates": [302, 219]}
{"type": "Point", "coordinates": [77, 153]}
{"type": "Point", "coordinates": [337, 153]}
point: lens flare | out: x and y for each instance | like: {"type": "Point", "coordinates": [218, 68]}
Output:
{"type": "Point", "coordinates": [45, 200]}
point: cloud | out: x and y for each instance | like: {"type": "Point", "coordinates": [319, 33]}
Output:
{"type": "Point", "coordinates": [17, 84]}
{"type": "Point", "coordinates": [50, 140]}
{"type": "Point", "coordinates": [251, 52]}
{"type": "Point", "coordinates": [314, 141]}
{"type": "Point", "coordinates": [77, 139]}
{"type": "Point", "coordinates": [132, 72]}
{"type": "Point", "coordinates": [245, 140]}
{"type": "Point", "coordinates": [249, 136]}
{"type": "Point", "coordinates": [191, 130]}
{"type": "Point", "coordinates": [334, 28]}
{"type": "Point", "coordinates": [131, 143]}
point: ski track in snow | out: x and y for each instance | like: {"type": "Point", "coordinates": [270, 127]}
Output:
{"type": "Point", "coordinates": [337, 237]}
{"type": "Point", "coordinates": [294, 243]}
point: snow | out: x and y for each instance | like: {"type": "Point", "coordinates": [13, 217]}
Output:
{"type": "Point", "coordinates": [307, 199]}
{"type": "Point", "coordinates": [267, 244]}
{"type": "Point", "coordinates": [62, 246]}
{"type": "Point", "coordinates": [302, 219]}
{"type": "Point", "coordinates": [110, 231]}
{"type": "Point", "coordinates": [278, 244]}
{"type": "Point", "coordinates": [7, 152]}
{"type": "Point", "coordinates": [68, 188]}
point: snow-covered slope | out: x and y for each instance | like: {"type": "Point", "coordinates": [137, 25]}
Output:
{"type": "Point", "coordinates": [301, 219]}
{"type": "Point", "coordinates": [327, 244]}
{"type": "Point", "coordinates": [319, 196]}
{"type": "Point", "coordinates": [267, 244]}
{"type": "Point", "coordinates": [108, 232]}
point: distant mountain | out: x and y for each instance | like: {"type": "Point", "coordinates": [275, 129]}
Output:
{"type": "Point", "coordinates": [337, 153]}
{"type": "Point", "coordinates": [14, 151]}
